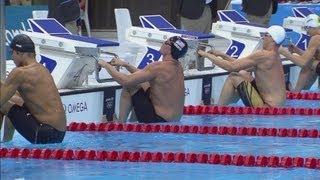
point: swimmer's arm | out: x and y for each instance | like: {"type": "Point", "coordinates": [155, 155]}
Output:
{"type": "Point", "coordinates": [222, 55]}
{"type": "Point", "coordinates": [234, 66]}
{"type": "Point", "coordinates": [130, 68]}
{"type": "Point", "coordinates": [297, 50]}
{"type": "Point", "coordinates": [306, 57]}
{"type": "Point", "coordinates": [10, 86]}
{"type": "Point", "coordinates": [121, 63]}
{"type": "Point", "coordinates": [132, 79]}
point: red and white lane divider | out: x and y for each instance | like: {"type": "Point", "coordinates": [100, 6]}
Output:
{"type": "Point", "coordinates": [167, 157]}
{"type": "Point", "coordinates": [303, 95]}
{"type": "Point", "coordinates": [195, 129]}
{"type": "Point", "coordinates": [240, 110]}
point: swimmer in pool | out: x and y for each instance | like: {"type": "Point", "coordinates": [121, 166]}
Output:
{"type": "Point", "coordinates": [268, 86]}
{"type": "Point", "coordinates": [156, 93]}
{"type": "Point", "coordinates": [41, 118]}
{"type": "Point", "coordinates": [308, 60]}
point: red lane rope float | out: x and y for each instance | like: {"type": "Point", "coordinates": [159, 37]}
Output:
{"type": "Point", "coordinates": [240, 110]}
{"type": "Point", "coordinates": [303, 95]}
{"type": "Point", "coordinates": [167, 157]}
{"type": "Point", "coordinates": [194, 129]}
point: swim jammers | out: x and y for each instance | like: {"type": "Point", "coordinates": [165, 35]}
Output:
{"type": "Point", "coordinates": [31, 129]}
{"type": "Point", "coordinates": [318, 69]}
{"type": "Point", "coordinates": [249, 94]}
{"type": "Point", "coordinates": [144, 108]}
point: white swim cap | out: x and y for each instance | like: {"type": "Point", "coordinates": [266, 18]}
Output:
{"type": "Point", "coordinates": [312, 20]}
{"type": "Point", "coordinates": [277, 33]}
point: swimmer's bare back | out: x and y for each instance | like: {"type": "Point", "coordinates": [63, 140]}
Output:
{"type": "Point", "coordinates": [40, 95]}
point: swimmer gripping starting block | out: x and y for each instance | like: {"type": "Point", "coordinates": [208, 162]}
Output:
{"type": "Point", "coordinates": [244, 37]}
{"type": "Point", "coordinates": [297, 24]}
{"type": "Point", "coordinates": [69, 58]}
{"type": "Point", "coordinates": [154, 31]}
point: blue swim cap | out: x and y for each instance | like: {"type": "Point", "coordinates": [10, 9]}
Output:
{"type": "Point", "coordinates": [179, 47]}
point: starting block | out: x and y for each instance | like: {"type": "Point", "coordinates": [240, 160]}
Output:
{"type": "Point", "coordinates": [297, 24]}
{"type": "Point", "coordinates": [69, 58]}
{"type": "Point", "coordinates": [245, 37]}
{"type": "Point", "coordinates": [154, 31]}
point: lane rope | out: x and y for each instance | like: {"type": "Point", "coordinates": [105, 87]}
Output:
{"type": "Point", "coordinates": [303, 95]}
{"type": "Point", "coordinates": [240, 110]}
{"type": "Point", "coordinates": [195, 129]}
{"type": "Point", "coordinates": [166, 157]}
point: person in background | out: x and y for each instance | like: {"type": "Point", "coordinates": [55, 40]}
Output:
{"type": "Point", "coordinates": [39, 2]}
{"type": "Point", "coordinates": [20, 2]}
{"type": "Point", "coordinates": [259, 11]}
{"type": "Point", "coordinates": [197, 16]}
{"type": "Point", "coordinates": [267, 87]}
{"type": "Point", "coordinates": [67, 12]}
{"type": "Point", "coordinates": [308, 60]}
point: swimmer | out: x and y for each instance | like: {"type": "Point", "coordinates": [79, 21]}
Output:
{"type": "Point", "coordinates": [308, 60]}
{"type": "Point", "coordinates": [41, 118]}
{"type": "Point", "coordinates": [268, 86]}
{"type": "Point", "coordinates": [156, 93]}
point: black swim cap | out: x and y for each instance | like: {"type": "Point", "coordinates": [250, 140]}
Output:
{"type": "Point", "coordinates": [179, 47]}
{"type": "Point", "coordinates": [22, 43]}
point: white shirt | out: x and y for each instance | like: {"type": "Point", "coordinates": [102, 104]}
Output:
{"type": "Point", "coordinates": [208, 1]}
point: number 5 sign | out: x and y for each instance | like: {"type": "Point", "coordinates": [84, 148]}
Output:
{"type": "Point", "coordinates": [235, 49]}
{"type": "Point", "coordinates": [151, 56]}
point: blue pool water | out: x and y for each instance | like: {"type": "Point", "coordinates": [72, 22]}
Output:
{"type": "Point", "coordinates": [304, 147]}
{"type": "Point", "coordinates": [71, 170]}
{"type": "Point", "coordinates": [163, 142]}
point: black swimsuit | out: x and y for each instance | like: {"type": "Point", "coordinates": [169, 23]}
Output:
{"type": "Point", "coordinates": [31, 129]}
{"type": "Point", "coordinates": [144, 108]}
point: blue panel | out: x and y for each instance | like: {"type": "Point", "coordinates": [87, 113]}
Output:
{"type": "Point", "coordinates": [235, 49]}
{"type": "Point", "coordinates": [304, 11]}
{"type": "Point", "coordinates": [51, 26]}
{"type": "Point", "coordinates": [151, 56]}
{"type": "Point", "coordinates": [297, 13]}
{"type": "Point", "coordinates": [50, 64]}
{"type": "Point", "coordinates": [293, 36]}
{"type": "Point", "coordinates": [303, 42]}
{"type": "Point", "coordinates": [98, 42]}
{"type": "Point", "coordinates": [224, 18]}
{"type": "Point", "coordinates": [235, 16]}
{"type": "Point", "coordinates": [190, 34]}
{"type": "Point", "coordinates": [35, 28]}
{"type": "Point", "coordinates": [146, 24]}
{"type": "Point", "coordinates": [159, 22]}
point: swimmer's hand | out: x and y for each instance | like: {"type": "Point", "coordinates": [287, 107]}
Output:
{"type": "Point", "coordinates": [103, 63]}
{"type": "Point", "coordinates": [202, 53]}
{"type": "Point", "coordinates": [284, 51]}
{"type": "Point", "coordinates": [216, 53]}
{"type": "Point", "coordinates": [118, 62]}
